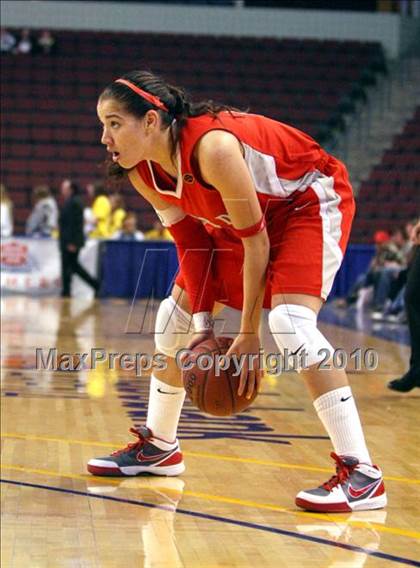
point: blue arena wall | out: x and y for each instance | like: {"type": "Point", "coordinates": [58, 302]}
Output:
{"type": "Point", "coordinates": [147, 269]}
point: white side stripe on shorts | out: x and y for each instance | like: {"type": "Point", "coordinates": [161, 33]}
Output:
{"type": "Point", "coordinates": [332, 217]}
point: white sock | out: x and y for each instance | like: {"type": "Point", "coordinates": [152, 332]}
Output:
{"type": "Point", "coordinates": [338, 413]}
{"type": "Point", "coordinates": [165, 405]}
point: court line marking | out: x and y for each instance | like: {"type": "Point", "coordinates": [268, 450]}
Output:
{"type": "Point", "coordinates": [207, 516]}
{"type": "Point", "coordinates": [201, 455]}
{"type": "Point", "coordinates": [337, 519]}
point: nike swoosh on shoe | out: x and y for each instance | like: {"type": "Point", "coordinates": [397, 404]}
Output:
{"type": "Point", "coordinates": [157, 457]}
{"type": "Point", "coordinates": [356, 493]}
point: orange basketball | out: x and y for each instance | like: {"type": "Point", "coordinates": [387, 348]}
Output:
{"type": "Point", "coordinates": [213, 390]}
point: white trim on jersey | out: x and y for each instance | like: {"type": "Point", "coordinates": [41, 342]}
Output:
{"type": "Point", "coordinates": [264, 175]}
{"type": "Point", "coordinates": [332, 217]}
{"type": "Point", "coordinates": [179, 182]}
{"type": "Point", "coordinates": [171, 215]}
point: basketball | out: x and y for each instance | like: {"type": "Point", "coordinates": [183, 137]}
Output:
{"type": "Point", "coordinates": [213, 390]}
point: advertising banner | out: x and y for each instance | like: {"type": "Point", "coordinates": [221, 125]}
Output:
{"type": "Point", "coordinates": [32, 266]}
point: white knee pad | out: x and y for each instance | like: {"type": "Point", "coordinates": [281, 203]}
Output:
{"type": "Point", "coordinates": [295, 332]}
{"type": "Point", "coordinates": [173, 328]}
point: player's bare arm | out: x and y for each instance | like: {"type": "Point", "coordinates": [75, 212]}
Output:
{"type": "Point", "coordinates": [222, 165]}
{"type": "Point", "coordinates": [173, 217]}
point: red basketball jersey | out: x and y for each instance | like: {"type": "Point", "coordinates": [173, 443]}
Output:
{"type": "Point", "coordinates": [281, 159]}
{"type": "Point", "coordinates": [305, 195]}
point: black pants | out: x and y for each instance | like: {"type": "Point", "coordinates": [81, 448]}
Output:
{"type": "Point", "coordinates": [69, 266]}
{"type": "Point", "coordinates": [412, 303]}
{"type": "Point", "coordinates": [397, 284]}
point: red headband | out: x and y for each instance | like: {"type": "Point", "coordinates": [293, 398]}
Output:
{"type": "Point", "coordinates": [150, 98]}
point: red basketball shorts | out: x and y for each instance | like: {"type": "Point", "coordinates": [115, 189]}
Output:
{"type": "Point", "coordinates": [308, 235]}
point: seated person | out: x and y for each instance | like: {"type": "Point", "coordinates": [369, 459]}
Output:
{"type": "Point", "coordinates": [387, 276]}
{"type": "Point", "coordinates": [6, 212]}
{"type": "Point", "coordinates": [118, 213]}
{"type": "Point", "coordinates": [7, 41]}
{"type": "Point", "coordinates": [24, 45]}
{"type": "Point", "coordinates": [393, 310]}
{"type": "Point", "coordinates": [128, 231]}
{"type": "Point", "coordinates": [43, 220]}
{"type": "Point", "coordinates": [45, 42]}
{"type": "Point", "coordinates": [101, 209]}
{"type": "Point", "coordinates": [366, 279]}
{"type": "Point", "coordinates": [158, 233]}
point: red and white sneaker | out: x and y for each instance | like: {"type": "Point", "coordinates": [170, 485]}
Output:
{"type": "Point", "coordinates": [355, 487]}
{"type": "Point", "coordinates": [148, 455]}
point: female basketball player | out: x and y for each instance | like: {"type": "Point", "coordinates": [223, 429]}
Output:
{"type": "Point", "coordinates": [261, 216]}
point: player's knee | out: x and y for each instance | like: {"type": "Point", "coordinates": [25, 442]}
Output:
{"type": "Point", "coordinates": [294, 329]}
{"type": "Point", "coordinates": [173, 328]}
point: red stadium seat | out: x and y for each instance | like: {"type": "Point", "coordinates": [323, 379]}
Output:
{"type": "Point", "coordinates": [393, 186]}
{"type": "Point", "coordinates": [49, 103]}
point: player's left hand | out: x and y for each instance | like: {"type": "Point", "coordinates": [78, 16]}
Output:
{"type": "Point", "coordinates": [199, 337]}
{"type": "Point", "coordinates": [251, 373]}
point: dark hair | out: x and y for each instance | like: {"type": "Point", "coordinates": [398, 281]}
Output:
{"type": "Point", "coordinates": [74, 187]}
{"type": "Point", "coordinates": [99, 189]}
{"type": "Point", "coordinates": [117, 201]}
{"type": "Point", "coordinates": [177, 101]}
{"type": "Point", "coordinates": [399, 229]}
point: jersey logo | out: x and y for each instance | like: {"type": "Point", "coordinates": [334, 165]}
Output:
{"type": "Point", "coordinates": [188, 178]}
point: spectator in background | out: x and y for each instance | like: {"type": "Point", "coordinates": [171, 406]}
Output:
{"type": "Point", "coordinates": [25, 44]}
{"type": "Point", "coordinates": [408, 245]}
{"type": "Point", "coordinates": [411, 379]}
{"type": "Point", "coordinates": [400, 240]}
{"type": "Point", "coordinates": [43, 220]}
{"type": "Point", "coordinates": [88, 216]}
{"type": "Point", "coordinates": [118, 213]}
{"type": "Point", "coordinates": [101, 209]}
{"type": "Point", "coordinates": [129, 231]}
{"type": "Point", "coordinates": [46, 42]}
{"type": "Point", "coordinates": [158, 233]}
{"type": "Point", "coordinates": [394, 284]}
{"type": "Point", "coordinates": [6, 213]}
{"type": "Point", "coordinates": [72, 238]}
{"type": "Point", "coordinates": [361, 288]}
{"type": "Point", "coordinates": [393, 261]}
{"type": "Point", "coordinates": [7, 41]}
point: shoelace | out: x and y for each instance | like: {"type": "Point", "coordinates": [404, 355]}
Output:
{"type": "Point", "coordinates": [133, 445]}
{"type": "Point", "coordinates": [341, 475]}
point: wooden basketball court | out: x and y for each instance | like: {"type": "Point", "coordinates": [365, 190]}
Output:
{"type": "Point", "coordinates": [234, 506]}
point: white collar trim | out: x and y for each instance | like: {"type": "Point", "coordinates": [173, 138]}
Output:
{"type": "Point", "coordinates": [179, 181]}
